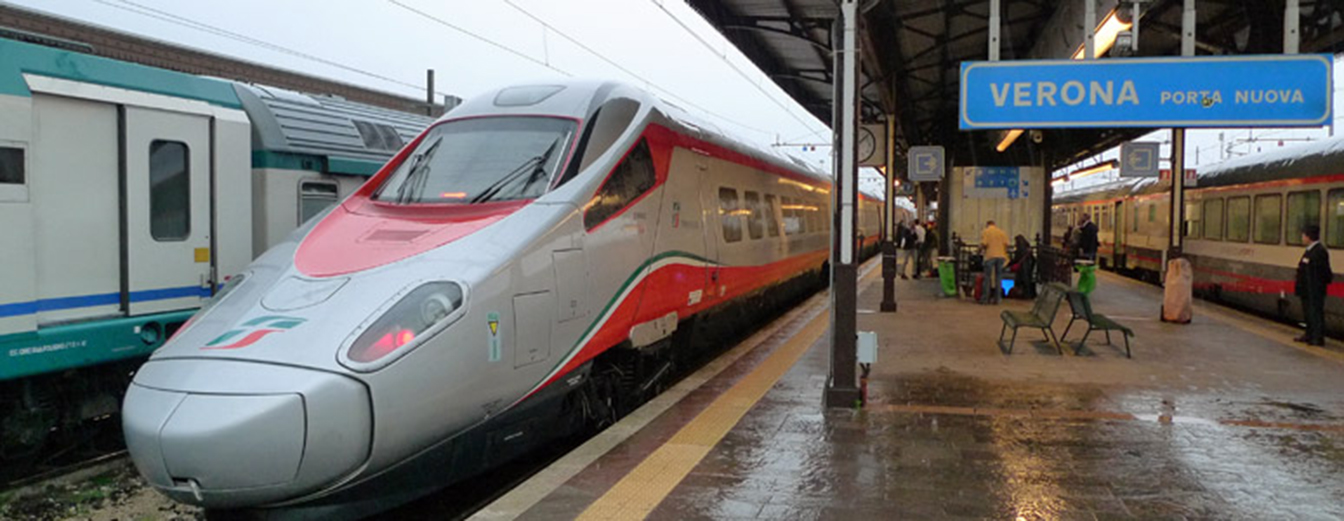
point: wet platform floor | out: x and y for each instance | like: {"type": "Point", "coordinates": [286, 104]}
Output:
{"type": "Point", "coordinates": [1224, 418]}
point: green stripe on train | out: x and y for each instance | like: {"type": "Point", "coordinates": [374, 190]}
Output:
{"type": "Point", "coordinates": [18, 58]}
{"type": "Point", "coordinates": [86, 344]}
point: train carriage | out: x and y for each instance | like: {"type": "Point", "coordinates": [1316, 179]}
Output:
{"type": "Point", "coordinates": [129, 194]}
{"type": "Point", "coordinates": [521, 270]}
{"type": "Point", "coordinates": [1242, 225]}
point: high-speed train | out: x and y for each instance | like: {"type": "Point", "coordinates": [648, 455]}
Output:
{"type": "Point", "coordinates": [1242, 226]}
{"type": "Point", "coordinates": [128, 195]}
{"type": "Point", "coordinates": [517, 271]}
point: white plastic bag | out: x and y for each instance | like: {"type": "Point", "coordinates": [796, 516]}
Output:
{"type": "Point", "coordinates": [1177, 292]}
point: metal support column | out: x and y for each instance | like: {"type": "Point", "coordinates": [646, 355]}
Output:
{"type": "Point", "coordinates": [1177, 239]}
{"type": "Point", "coordinates": [429, 92]}
{"type": "Point", "coordinates": [1292, 15]}
{"type": "Point", "coordinates": [994, 28]}
{"type": "Point", "coordinates": [1089, 29]}
{"type": "Point", "coordinates": [889, 223]}
{"type": "Point", "coordinates": [842, 387]}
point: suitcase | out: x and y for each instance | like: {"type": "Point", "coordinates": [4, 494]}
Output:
{"type": "Point", "coordinates": [1177, 292]}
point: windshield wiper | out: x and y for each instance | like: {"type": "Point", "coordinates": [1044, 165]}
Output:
{"type": "Point", "coordinates": [536, 163]}
{"type": "Point", "coordinates": [413, 186]}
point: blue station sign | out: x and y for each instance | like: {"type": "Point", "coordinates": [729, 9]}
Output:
{"type": "Point", "coordinates": [1237, 91]}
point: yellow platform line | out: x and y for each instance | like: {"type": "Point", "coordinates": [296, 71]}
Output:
{"type": "Point", "coordinates": [639, 492]}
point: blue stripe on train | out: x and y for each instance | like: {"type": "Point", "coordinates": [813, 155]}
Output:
{"type": "Point", "coordinates": [104, 299]}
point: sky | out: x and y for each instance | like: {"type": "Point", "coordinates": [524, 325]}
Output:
{"type": "Point", "coordinates": [478, 45]}
{"type": "Point", "coordinates": [475, 46]}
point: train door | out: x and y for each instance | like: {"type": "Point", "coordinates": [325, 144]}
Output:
{"type": "Point", "coordinates": [709, 203]}
{"type": "Point", "coordinates": [1118, 226]}
{"type": "Point", "coordinates": [73, 189]}
{"type": "Point", "coordinates": [167, 159]}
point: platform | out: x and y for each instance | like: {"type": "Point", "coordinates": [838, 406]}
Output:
{"type": "Point", "coordinates": [1224, 418]}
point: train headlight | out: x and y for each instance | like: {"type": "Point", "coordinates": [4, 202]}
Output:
{"type": "Point", "coordinates": [397, 329]}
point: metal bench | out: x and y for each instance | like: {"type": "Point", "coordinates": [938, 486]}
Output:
{"type": "Point", "coordinates": [1082, 310]}
{"type": "Point", "coordinates": [1041, 316]}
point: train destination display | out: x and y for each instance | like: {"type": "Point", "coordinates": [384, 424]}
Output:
{"type": "Point", "coordinates": [1240, 91]}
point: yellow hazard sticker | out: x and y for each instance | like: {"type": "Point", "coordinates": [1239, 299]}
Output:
{"type": "Point", "coordinates": [202, 254]}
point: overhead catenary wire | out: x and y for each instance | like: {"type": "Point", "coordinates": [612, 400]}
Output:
{"type": "Point", "coordinates": [182, 21]}
{"type": "Point", "coordinates": [546, 26]}
{"type": "Point", "coordinates": [724, 57]}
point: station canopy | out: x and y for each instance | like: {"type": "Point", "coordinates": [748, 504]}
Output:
{"type": "Point", "coordinates": [912, 53]}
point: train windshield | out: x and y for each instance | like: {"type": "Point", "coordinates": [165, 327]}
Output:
{"type": "Point", "coordinates": [480, 160]}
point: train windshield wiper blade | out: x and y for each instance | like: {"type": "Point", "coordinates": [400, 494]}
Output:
{"type": "Point", "coordinates": [414, 184]}
{"type": "Point", "coordinates": [536, 163]}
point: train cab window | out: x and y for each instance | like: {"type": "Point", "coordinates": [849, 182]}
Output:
{"type": "Point", "coordinates": [771, 218]}
{"type": "Point", "coordinates": [169, 191]}
{"type": "Point", "coordinates": [1268, 218]}
{"type": "Point", "coordinates": [1334, 218]}
{"type": "Point", "coordinates": [628, 181]}
{"type": "Point", "coordinates": [11, 166]}
{"type": "Point", "coordinates": [1238, 219]}
{"type": "Point", "coordinates": [1193, 221]}
{"type": "Point", "coordinates": [1213, 219]}
{"type": "Point", "coordinates": [480, 160]}
{"type": "Point", "coordinates": [607, 124]}
{"type": "Point", "coordinates": [756, 220]}
{"type": "Point", "coordinates": [1303, 208]}
{"type": "Point", "coordinates": [730, 215]}
{"type": "Point", "coordinates": [315, 197]}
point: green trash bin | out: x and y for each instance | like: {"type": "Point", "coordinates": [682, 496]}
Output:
{"type": "Point", "coordinates": [1087, 276]}
{"type": "Point", "coordinates": [947, 275]}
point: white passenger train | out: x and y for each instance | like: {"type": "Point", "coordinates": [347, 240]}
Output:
{"type": "Point", "coordinates": [128, 194]}
{"type": "Point", "coordinates": [1243, 226]}
{"type": "Point", "coordinates": [530, 265]}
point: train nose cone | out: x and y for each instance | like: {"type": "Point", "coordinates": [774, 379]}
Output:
{"type": "Point", "coordinates": [227, 434]}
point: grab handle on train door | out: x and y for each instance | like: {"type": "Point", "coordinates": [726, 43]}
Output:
{"type": "Point", "coordinates": [714, 275]}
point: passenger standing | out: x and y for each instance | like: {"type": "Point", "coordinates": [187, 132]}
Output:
{"type": "Point", "coordinates": [1313, 277]}
{"type": "Point", "coordinates": [994, 245]}
{"type": "Point", "coordinates": [906, 246]}
{"type": "Point", "coordinates": [920, 234]}
{"type": "Point", "coordinates": [1023, 267]}
{"type": "Point", "coordinates": [1087, 238]}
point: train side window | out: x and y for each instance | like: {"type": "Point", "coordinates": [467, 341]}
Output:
{"type": "Point", "coordinates": [730, 215]}
{"type": "Point", "coordinates": [1152, 212]}
{"type": "Point", "coordinates": [1303, 208]}
{"type": "Point", "coordinates": [169, 190]}
{"type": "Point", "coordinates": [628, 181]}
{"type": "Point", "coordinates": [771, 218]}
{"type": "Point", "coordinates": [756, 220]}
{"type": "Point", "coordinates": [793, 224]}
{"type": "Point", "coordinates": [1213, 219]}
{"type": "Point", "coordinates": [1334, 218]}
{"type": "Point", "coordinates": [11, 166]}
{"type": "Point", "coordinates": [1193, 220]}
{"type": "Point", "coordinates": [315, 197]}
{"type": "Point", "coordinates": [1238, 218]}
{"type": "Point", "coordinates": [1268, 218]}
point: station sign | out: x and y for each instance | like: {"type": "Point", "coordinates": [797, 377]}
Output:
{"type": "Point", "coordinates": [1236, 91]}
{"type": "Point", "coordinates": [927, 163]}
{"type": "Point", "coordinates": [1139, 159]}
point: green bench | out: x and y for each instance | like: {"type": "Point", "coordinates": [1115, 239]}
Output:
{"type": "Point", "coordinates": [1041, 316]}
{"type": "Point", "coordinates": [1082, 310]}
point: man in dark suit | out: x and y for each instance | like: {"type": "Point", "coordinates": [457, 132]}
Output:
{"type": "Point", "coordinates": [1087, 238]}
{"type": "Point", "coordinates": [1313, 276]}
